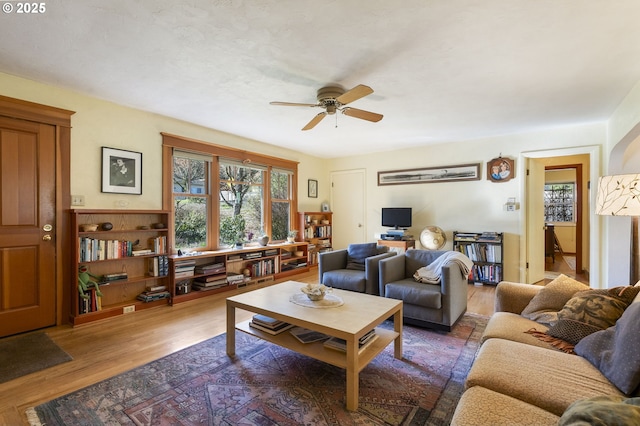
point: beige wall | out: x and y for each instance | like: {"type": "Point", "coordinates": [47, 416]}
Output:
{"type": "Point", "coordinates": [97, 123]}
{"type": "Point", "coordinates": [470, 206]}
{"type": "Point", "coordinates": [463, 206]}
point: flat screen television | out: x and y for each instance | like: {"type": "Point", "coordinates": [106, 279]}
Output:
{"type": "Point", "coordinates": [396, 217]}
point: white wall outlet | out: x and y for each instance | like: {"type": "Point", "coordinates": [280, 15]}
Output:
{"type": "Point", "coordinates": [129, 309]}
{"type": "Point", "coordinates": [77, 200]}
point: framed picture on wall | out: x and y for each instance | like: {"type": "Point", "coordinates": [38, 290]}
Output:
{"type": "Point", "coordinates": [501, 169]}
{"type": "Point", "coordinates": [313, 188]}
{"type": "Point", "coordinates": [121, 171]}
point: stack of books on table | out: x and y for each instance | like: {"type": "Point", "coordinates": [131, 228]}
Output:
{"type": "Point", "coordinates": [152, 293]}
{"type": "Point", "coordinates": [341, 344]}
{"type": "Point", "coordinates": [268, 324]}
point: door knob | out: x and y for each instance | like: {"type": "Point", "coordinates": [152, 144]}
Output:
{"type": "Point", "coordinates": [46, 237]}
{"type": "Point", "coordinates": [47, 228]}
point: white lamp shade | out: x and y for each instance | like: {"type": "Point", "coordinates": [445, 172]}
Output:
{"type": "Point", "coordinates": [618, 195]}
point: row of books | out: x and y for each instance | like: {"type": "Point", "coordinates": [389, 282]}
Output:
{"type": "Point", "coordinates": [93, 249]}
{"type": "Point", "coordinates": [159, 266]}
{"type": "Point", "coordinates": [487, 273]}
{"type": "Point", "coordinates": [91, 303]}
{"type": "Point", "coordinates": [322, 231]}
{"type": "Point", "coordinates": [479, 252]}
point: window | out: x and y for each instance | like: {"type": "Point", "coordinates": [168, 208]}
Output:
{"type": "Point", "coordinates": [191, 199]}
{"type": "Point", "coordinates": [241, 202]}
{"type": "Point", "coordinates": [220, 195]}
{"type": "Point", "coordinates": [281, 201]}
{"type": "Point", "coordinates": [559, 202]}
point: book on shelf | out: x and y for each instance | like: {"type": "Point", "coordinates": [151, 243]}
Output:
{"type": "Point", "coordinates": [210, 286]}
{"type": "Point", "coordinates": [212, 268]}
{"type": "Point", "coordinates": [235, 278]}
{"type": "Point", "coordinates": [341, 345]}
{"type": "Point", "coordinates": [273, 331]}
{"type": "Point", "coordinates": [152, 296]}
{"type": "Point", "coordinates": [212, 278]}
{"type": "Point", "coordinates": [266, 321]}
{"type": "Point", "coordinates": [155, 288]}
{"type": "Point", "coordinates": [141, 252]}
{"type": "Point", "coordinates": [304, 335]}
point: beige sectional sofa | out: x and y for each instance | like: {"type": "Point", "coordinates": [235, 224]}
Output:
{"type": "Point", "coordinates": [522, 376]}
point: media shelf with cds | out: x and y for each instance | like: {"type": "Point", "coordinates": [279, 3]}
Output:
{"type": "Point", "coordinates": [126, 254]}
{"type": "Point", "coordinates": [201, 274]}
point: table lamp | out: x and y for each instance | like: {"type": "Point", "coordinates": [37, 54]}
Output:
{"type": "Point", "coordinates": [619, 195]}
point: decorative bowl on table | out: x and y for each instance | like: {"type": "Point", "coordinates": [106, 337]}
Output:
{"type": "Point", "coordinates": [90, 227]}
{"type": "Point", "coordinates": [314, 292]}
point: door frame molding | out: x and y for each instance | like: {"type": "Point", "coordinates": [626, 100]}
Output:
{"type": "Point", "coordinates": [595, 237]}
{"type": "Point", "coordinates": [579, 210]}
{"type": "Point", "coordinates": [61, 120]}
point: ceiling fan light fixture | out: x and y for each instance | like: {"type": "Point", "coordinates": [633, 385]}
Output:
{"type": "Point", "coordinates": [334, 98]}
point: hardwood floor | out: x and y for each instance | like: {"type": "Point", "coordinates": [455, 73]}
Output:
{"type": "Point", "coordinates": [560, 266]}
{"type": "Point", "coordinates": [103, 349]}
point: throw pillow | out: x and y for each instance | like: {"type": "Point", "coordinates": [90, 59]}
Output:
{"type": "Point", "coordinates": [544, 306]}
{"type": "Point", "coordinates": [590, 311]}
{"type": "Point", "coordinates": [614, 351]}
{"type": "Point", "coordinates": [357, 253]}
{"type": "Point", "coordinates": [602, 410]}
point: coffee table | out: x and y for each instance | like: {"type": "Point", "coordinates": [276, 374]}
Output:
{"type": "Point", "coordinates": [359, 314]}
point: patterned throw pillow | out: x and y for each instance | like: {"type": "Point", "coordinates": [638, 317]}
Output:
{"type": "Point", "coordinates": [544, 306]}
{"type": "Point", "coordinates": [614, 351]}
{"type": "Point", "coordinates": [590, 311]}
{"type": "Point", "coordinates": [602, 410]}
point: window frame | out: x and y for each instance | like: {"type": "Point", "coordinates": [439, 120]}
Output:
{"type": "Point", "coordinates": [573, 202]}
{"type": "Point", "coordinates": [218, 153]}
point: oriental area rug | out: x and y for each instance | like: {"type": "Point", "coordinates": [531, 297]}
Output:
{"type": "Point", "coordinates": [265, 384]}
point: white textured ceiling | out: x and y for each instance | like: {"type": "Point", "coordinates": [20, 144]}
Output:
{"type": "Point", "coordinates": [442, 70]}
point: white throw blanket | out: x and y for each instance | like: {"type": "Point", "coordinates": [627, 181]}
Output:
{"type": "Point", "coordinates": [432, 273]}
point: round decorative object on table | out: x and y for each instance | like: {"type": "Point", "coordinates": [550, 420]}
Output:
{"type": "Point", "coordinates": [158, 225]}
{"type": "Point", "coordinates": [329, 301]}
{"type": "Point", "coordinates": [107, 226]}
{"type": "Point", "coordinates": [432, 238]}
{"type": "Point", "coordinates": [264, 240]}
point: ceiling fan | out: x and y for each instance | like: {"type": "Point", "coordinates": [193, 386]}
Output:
{"type": "Point", "coordinates": [334, 98]}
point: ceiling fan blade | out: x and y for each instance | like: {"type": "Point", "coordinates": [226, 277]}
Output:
{"type": "Point", "coordinates": [315, 120]}
{"type": "Point", "coordinates": [292, 104]}
{"type": "Point", "coordinates": [362, 114]}
{"type": "Point", "coordinates": [360, 91]}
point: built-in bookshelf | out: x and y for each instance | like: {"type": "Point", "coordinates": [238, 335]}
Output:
{"type": "Point", "coordinates": [486, 250]}
{"type": "Point", "coordinates": [316, 228]}
{"type": "Point", "coordinates": [200, 274]}
{"type": "Point", "coordinates": [124, 254]}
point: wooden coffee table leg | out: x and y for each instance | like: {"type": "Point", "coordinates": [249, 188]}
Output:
{"type": "Point", "coordinates": [231, 329]}
{"type": "Point", "coordinates": [353, 375]}
{"type": "Point", "coordinates": [397, 327]}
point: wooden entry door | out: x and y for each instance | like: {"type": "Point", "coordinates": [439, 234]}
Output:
{"type": "Point", "coordinates": [27, 226]}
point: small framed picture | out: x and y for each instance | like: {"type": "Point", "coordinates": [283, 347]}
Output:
{"type": "Point", "coordinates": [313, 188]}
{"type": "Point", "coordinates": [121, 171]}
{"type": "Point", "coordinates": [500, 170]}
